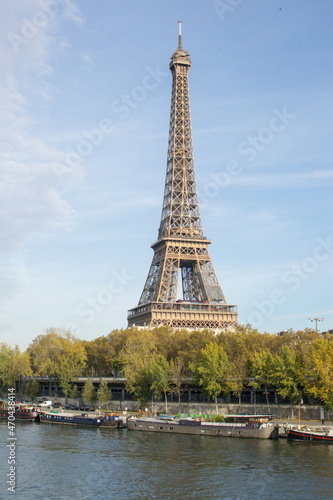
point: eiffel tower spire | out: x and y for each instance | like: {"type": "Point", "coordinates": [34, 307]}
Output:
{"type": "Point", "coordinates": [181, 265]}
{"type": "Point", "coordinates": [180, 213]}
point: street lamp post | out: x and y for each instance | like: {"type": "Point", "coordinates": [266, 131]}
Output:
{"type": "Point", "coordinates": [316, 320]}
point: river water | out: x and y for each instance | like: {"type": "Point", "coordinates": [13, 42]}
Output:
{"type": "Point", "coordinates": [56, 462]}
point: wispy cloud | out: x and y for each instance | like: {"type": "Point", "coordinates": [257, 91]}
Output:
{"type": "Point", "coordinates": [88, 62]}
{"type": "Point", "coordinates": [31, 205]}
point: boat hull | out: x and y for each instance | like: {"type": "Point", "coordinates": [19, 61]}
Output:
{"type": "Point", "coordinates": [203, 428]}
{"type": "Point", "coordinates": [58, 418]}
{"type": "Point", "coordinates": [317, 437]}
{"type": "Point", "coordinates": [75, 419]}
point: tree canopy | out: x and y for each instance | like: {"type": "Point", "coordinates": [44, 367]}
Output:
{"type": "Point", "coordinates": [214, 371]}
{"type": "Point", "coordinates": [13, 364]}
{"type": "Point", "coordinates": [58, 353]}
{"type": "Point", "coordinates": [295, 363]}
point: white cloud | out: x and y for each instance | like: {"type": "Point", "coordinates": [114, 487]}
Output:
{"type": "Point", "coordinates": [29, 202]}
{"type": "Point", "coordinates": [87, 60]}
{"type": "Point", "coordinates": [72, 11]}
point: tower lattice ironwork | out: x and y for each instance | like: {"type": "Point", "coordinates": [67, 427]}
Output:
{"type": "Point", "coordinates": [181, 264]}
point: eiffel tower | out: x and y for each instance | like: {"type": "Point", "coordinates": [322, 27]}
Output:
{"type": "Point", "coordinates": [181, 257]}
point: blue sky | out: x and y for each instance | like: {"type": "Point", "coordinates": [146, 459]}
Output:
{"type": "Point", "coordinates": [85, 102]}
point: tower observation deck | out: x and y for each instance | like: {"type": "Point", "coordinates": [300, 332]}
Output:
{"type": "Point", "coordinates": [181, 264]}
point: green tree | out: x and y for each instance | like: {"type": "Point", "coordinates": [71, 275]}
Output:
{"type": "Point", "coordinates": [117, 367]}
{"type": "Point", "coordinates": [213, 372]}
{"type": "Point", "coordinates": [100, 356]}
{"type": "Point", "coordinates": [177, 378]}
{"type": "Point", "coordinates": [75, 394]}
{"type": "Point", "coordinates": [239, 346]}
{"type": "Point", "coordinates": [13, 365]}
{"type": "Point", "coordinates": [44, 352]}
{"type": "Point", "coordinates": [262, 367]}
{"type": "Point", "coordinates": [139, 351]}
{"type": "Point", "coordinates": [104, 394]}
{"type": "Point", "coordinates": [65, 376]}
{"type": "Point", "coordinates": [160, 372]}
{"type": "Point", "coordinates": [89, 394]}
{"type": "Point", "coordinates": [286, 376]}
{"type": "Point", "coordinates": [20, 365]}
{"type": "Point", "coordinates": [118, 339]}
{"type": "Point", "coordinates": [71, 362]}
{"type": "Point", "coordinates": [164, 341]}
{"type": "Point", "coordinates": [191, 345]}
{"type": "Point", "coordinates": [6, 376]}
{"type": "Point", "coordinates": [319, 380]}
{"type": "Point", "coordinates": [58, 354]}
{"type": "Point", "coordinates": [32, 388]}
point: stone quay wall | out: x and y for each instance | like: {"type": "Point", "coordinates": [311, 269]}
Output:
{"type": "Point", "coordinates": [279, 411]}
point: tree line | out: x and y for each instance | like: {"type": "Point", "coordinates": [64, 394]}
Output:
{"type": "Point", "coordinates": [161, 360]}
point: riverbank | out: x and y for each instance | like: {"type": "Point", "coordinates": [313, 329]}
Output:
{"type": "Point", "coordinates": [281, 412]}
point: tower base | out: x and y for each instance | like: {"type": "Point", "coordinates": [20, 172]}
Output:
{"type": "Point", "coordinates": [183, 314]}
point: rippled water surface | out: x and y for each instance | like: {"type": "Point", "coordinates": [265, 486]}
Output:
{"type": "Point", "coordinates": [60, 462]}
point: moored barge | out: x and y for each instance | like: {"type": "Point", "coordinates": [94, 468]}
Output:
{"type": "Point", "coordinates": [242, 429]}
{"type": "Point", "coordinates": [310, 434]}
{"type": "Point", "coordinates": [28, 413]}
{"type": "Point", "coordinates": [69, 418]}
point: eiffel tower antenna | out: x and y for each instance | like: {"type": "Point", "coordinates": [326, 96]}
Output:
{"type": "Point", "coordinates": [181, 264]}
{"type": "Point", "coordinates": [180, 35]}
